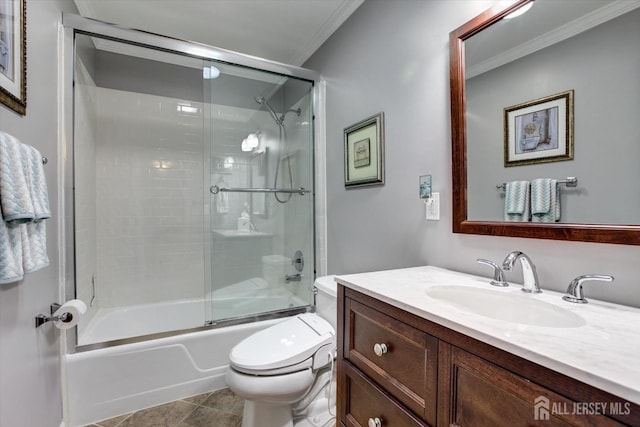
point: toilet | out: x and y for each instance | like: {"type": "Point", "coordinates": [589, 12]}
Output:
{"type": "Point", "coordinates": [286, 373]}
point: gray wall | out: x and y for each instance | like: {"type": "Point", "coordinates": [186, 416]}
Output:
{"type": "Point", "coordinates": [30, 393]}
{"type": "Point", "coordinates": [392, 56]}
{"type": "Point", "coordinates": [605, 124]}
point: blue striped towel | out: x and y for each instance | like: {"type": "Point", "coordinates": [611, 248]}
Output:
{"type": "Point", "coordinates": [15, 194]}
{"type": "Point", "coordinates": [37, 183]}
{"type": "Point", "coordinates": [516, 201]}
{"type": "Point", "coordinates": [24, 203]}
{"type": "Point", "coordinates": [11, 269]}
{"type": "Point", "coordinates": [545, 200]}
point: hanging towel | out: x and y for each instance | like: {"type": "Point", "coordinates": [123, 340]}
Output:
{"type": "Point", "coordinates": [24, 205]}
{"type": "Point", "coordinates": [11, 269]}
{"type": "Point", "coordinates": [545, 200]}
{"type": "Point", "coordinates": [15, 195]}
{"type": "Point", "coordinates": [516, 201]}
{"type": "Point", "coordinates": [36, 182]}
{"type": "Point", "coordinates": [34, 246]}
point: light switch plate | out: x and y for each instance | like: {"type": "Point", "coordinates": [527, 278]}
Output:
{"type": "Point", "coordinates": [433, 207]}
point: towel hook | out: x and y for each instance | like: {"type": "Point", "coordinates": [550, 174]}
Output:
{"type": "Point", "coordinates": [44, 160]}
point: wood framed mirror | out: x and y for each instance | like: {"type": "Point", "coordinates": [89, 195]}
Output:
{"type": "Point", "coordinates": [614, 231]}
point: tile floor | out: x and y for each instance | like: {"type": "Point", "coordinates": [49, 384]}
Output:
{"type": "Point", "coordinates": [221, 408]}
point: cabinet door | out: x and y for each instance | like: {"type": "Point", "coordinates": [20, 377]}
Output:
{"type": "Point", "coordinates": [407, 365]}
{"type": "Point", "coordinates": [366, 404]}
{"type": "Point", "coordinates": [474, 392]}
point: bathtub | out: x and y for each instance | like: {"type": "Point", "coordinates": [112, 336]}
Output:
{"type": "Point", "coordinates": [111, 381]}
{"type": "Point", "coordinates": [109, 324]}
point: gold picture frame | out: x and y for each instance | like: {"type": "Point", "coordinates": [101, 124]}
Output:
{"type": "Point", "coordinates": [13, 55]}
{"type": "Point", "coordinates": [539, 131]}
{"type": "Point", "coordinates": [364, 152]}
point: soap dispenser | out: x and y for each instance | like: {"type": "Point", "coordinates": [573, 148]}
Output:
{"type": "Point", "coordinates": [244, 221]}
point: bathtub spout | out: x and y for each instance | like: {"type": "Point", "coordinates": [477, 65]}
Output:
{"type": "Point", "coordinates": [293, 278]}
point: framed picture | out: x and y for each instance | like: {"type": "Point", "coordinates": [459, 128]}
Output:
{"type": "Point", "coordinates": [364, 152]}
{"type": "Point", "coordinates": [539, 131]}
{"type": "Point", "coordinates": [13, 55]}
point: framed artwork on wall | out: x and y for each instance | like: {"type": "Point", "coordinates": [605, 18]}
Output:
{"type": "Point", "coordinates": [539, 131]}
{"type": "Point", "coordinates": [364, 152]}
{"type": "Point", "coordinates": [13, 55]}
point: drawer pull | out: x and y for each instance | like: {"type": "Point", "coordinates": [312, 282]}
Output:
{"type": "Point", "coordinates": [375, 422]}
{"type": "Point", "coordinates": [380, 349]}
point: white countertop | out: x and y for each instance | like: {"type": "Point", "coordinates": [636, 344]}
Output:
{"type": "Point", "coordinates": [604, 352]}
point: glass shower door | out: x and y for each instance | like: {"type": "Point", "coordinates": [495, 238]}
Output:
{"type": "Point", "coordinates": [261, 209]}
{"type": "Point", "coordinates": [138, 207]}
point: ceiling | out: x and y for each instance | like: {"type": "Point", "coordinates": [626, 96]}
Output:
{"type": "Point", "coordinates": [287, 31]}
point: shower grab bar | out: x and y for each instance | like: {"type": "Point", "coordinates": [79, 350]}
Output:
{"type": "Point", "coordinates": [215, 189]}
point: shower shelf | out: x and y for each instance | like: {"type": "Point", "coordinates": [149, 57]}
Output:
{"type": "Point", "coordinates": [216, 189]}
{"type": "Point", "coordinates": [235, 234]}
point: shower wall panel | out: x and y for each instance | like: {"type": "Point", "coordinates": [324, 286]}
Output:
{"type": "Point", "coordinates": [151, 208]}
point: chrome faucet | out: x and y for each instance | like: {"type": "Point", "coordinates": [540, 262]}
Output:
{"type": "Point", "coordinates": [574, 291]}
{"type": "Point", "coordinates": [530, 276]}
{"type": "Point", "coordinates": [498, 275]}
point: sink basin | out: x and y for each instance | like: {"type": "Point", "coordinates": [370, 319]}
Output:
{"type": "Point", "coordinates": [505, 306]}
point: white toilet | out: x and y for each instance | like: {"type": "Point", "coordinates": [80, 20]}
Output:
{"type": "Point", "coordinates": [285, 373]}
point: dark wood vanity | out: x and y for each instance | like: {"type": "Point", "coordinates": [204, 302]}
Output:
{"type": "Point", "coordinates": [429, 375]}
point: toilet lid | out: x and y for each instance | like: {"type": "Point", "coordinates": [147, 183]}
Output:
{"type": "Point", "coordinates": [284, 344]}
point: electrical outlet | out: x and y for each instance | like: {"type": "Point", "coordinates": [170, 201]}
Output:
{"type": "Point", "coordinates": [433, 207]}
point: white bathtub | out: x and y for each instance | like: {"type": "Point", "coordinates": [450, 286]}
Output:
{"type": "Point", "coordinates": [137, 320]}
{"type": "Point", "coordinates": [107, 382]}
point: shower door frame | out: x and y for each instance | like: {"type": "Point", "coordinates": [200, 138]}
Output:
{"type": "Point", "coordinates": [74, 24]}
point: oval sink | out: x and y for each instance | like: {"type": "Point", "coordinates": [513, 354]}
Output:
{"type": "Point", "coordinates": [506, 307]}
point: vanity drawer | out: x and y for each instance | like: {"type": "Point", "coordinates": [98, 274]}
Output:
{"type": "Point", "coordinates": [365, 402]}
{"type": "Point", "coordinates": [400, 358]}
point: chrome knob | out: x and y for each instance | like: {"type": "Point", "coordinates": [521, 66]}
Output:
{"type": "Point", "coordinates": [379, 350]}
{"type": "Point", "coordinates": [375, 422]}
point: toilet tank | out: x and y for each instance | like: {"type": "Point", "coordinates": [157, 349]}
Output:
{"type": "Point", "coordinates": [326, 299]}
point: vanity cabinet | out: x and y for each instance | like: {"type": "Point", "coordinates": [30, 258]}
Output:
{"type": "Point", "coordinates": [399, 369]}
{"type": "Point", "coordinates": [400, 358]}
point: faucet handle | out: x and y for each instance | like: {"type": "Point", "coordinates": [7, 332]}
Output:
{"type": "Point", "coordinates": [498, 274]}
{"type": "Point", "coordinates": [574, 291]}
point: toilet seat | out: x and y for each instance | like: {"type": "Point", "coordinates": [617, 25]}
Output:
{"type": "Point", "coordinates": [286, 347]}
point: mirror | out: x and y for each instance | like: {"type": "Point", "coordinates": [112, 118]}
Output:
{"type": "Point", "coordinates": [494, 72]}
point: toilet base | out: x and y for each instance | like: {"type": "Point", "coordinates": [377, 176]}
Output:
{"type": "Point", "coordinates": [257, 414]}
{"type": "Point", "coordinates": [316, 409]}
{"type": "Point", "coordinates": [318, 415]}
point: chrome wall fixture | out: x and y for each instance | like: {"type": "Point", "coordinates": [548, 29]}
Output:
{"type": "Point", "coordinates": [41, 319]}
{"type": "Point", "coordinates": [570, 181]}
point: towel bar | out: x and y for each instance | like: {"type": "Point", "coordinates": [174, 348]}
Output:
{"type": "Point", "coordinates": [570, 181]}
{"type": "Point", "coordinates": [217, 189]}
